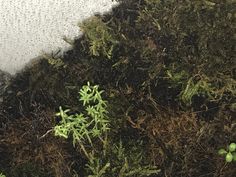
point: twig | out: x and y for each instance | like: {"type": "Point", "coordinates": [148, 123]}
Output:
{"type": "Point", "coordinates": [49, 131]}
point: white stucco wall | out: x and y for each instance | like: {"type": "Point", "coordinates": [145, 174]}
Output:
{"type": "Point", "coordinates": [30, 27]}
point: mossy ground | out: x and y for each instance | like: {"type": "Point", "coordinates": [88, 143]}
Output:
{"type": "Point", "coordinates": [168, 71]}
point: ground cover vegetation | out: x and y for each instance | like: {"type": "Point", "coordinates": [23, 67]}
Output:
{"type": "Point", "coordinates": [230, 155]}
{"type": "Point", "coordinates": [148, 90]}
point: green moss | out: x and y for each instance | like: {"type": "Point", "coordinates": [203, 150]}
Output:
{"type": "Point", "coordinates": [99, 37]}
{"type": "Point", "coordinates": [123, 161]}
{"type": "Point", "coordinates": [149, 55]}
{"type": "Point", "coordinates": [198, 37]}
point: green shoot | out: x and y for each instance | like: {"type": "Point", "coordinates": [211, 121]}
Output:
{"type": "Point", "coordinates": [230, 153]}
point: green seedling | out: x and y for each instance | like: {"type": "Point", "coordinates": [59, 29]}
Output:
{"type": "Point", "coordinates": [87, 125]}
{"type": "Point", "coordinates": [230, 153]}
{"type": "Point", "coordinates": [2, 175]}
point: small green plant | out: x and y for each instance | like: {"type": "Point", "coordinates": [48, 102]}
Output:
{"type": "Point", "coordinates": [120, 161]}
{"type": "Point", "coordinates": [96, 168]}
{"type": "Point", "coordinates": [129, 161]}
{"type": "Point", "coordinates": [230, 153]}
{"type": "Point", "coordinates": [201, 87]}
{"type": "Point", "coordinates": [92, 123]}
{"type": "Point", "coordinates": [112, 160]}
{"type": "Point", "coordinates": [2, 175]}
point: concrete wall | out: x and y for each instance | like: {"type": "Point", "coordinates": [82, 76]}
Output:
{"type": "Point", "coordinates": [30, 27]}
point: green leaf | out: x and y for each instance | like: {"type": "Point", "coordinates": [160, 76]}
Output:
{"type": "Point", "coordinates": [222, 152]}
{"type": "Point", "coordinates": [234, 156]}
{"type": "Point", "coordinates": [232, 147]}
{"type": "Point", "coordinates": [2, 175]}
{"type": "Point", "coordinates": [229, 157]}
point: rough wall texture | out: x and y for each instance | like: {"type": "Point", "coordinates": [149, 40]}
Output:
{"type": "Point", "coordinates": [30, 27]}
